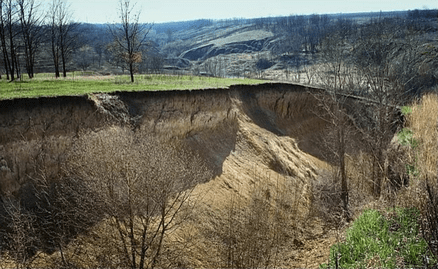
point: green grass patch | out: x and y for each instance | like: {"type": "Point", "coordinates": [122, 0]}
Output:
{"type": "Point", "coordinates": [74, 84]}
{"type": "Point", "coordinates": [406, 110]}
{"type": "Point", "coordinates": [381, 242]}
{"type": "Point", "coordinates": [406, 138]}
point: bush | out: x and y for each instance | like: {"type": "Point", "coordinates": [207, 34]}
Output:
{"type": "Point", "coordinates": [378, 241]}
{"type": "Point", "coordinates": [142, 185]}
{"type": "Point", "coordinates": [327, 203]}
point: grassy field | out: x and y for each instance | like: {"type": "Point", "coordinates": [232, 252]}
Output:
{"type": "Point", "coordinates": [74, 84]}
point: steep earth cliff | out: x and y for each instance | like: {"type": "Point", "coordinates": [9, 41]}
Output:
{"type": "Point", "coordinates": [208, 120]}
{"type": "Point", "coordinates": [247, 135]}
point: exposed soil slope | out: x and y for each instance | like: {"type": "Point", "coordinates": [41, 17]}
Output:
{"type": "Point", "coordinates": [248, 135]}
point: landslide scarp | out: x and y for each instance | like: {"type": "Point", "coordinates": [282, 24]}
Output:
{"type": "Point", "coordinates": [205, 120]}
{"type": "Point", "coordinates": [249, 137]}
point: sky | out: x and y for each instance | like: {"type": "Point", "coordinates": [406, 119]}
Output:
{"type": "Point", "coordinates": [157, 11]}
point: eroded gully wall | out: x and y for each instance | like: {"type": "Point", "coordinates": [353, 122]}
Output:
{"type": "Point", "coordinates": [37, 133]}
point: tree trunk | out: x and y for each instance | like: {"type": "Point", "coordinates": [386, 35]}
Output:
{"type": "Point", "coordinates": [160, 243]}
{"type": "Point", "coordinates": [131, 71]}
{"type": "Point", "coordinates": [342, 167]}
{"type": "Point", "coordinates": [29, 59]}
{"type": "Point", "coordinates": [6, 61]}
{"type": "Point", "coordinates": [143, 249]}
{"type": "Point", "coordinates": [63, 58]}
{"type": "Point", "coordinates": [12, 63]}
{"type": "Point", "coordinates": [64, 70]}
{"type": "Point", "coordinates": [17, 66]}
{"type": "Point", "coordinates": [55, 55]}
{"type": "Point", "coordinates": [56, 64]}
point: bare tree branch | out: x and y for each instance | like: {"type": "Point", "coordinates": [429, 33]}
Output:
{"type": "Point", "coordinates": [129, 36]}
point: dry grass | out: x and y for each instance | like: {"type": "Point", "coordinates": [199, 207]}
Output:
{"type": "Point", "coordinates": [408, 165]}
{"type": "Point", "coordinates": [423, 121]}
{"type": "Point", "coordinates": [422, 154]}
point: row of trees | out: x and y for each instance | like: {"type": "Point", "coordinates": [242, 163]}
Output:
{"type": "Point", "coordinates": [25, 30]}
{"type": "Point", "coordinates": [28, 30]}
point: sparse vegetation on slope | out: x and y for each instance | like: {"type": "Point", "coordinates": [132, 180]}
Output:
{"type": "Point", "coordinates": [378, 241]}
{"type": "Point", "coordinates": [403, 236]}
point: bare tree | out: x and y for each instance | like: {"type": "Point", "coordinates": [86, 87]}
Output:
{"type": "Point", "coordinates": [61, 35]}
{"type": "Point", "coordinates": [212, 66]}
{"type": "Point", "coordinates": [63, 208]}
{"type": "Point", "coordinates": [142, 187]}
{"type": "Point", "coordinates": [22, 233]}
{"type": "Point", "coordinates": [100, 51]}
{"type": "Point", "coordinates": [375, 56]}
{"type": "Point", "coordinates": [83, 57]}
{"type": "Point", "coordinates": [130, 36]}
{"type": "Point", "coordinates": [3, 43]}
{"type": "Point", "coordinates": [310, 71]}
{"type": "Point", "coordinates": [54, 38]}
{"type": "Point", "coordinates": [332, 106]}
{"type": "Point", "coordinates": [115, 56]}
{"type": "Point", "coordinates": [48, 212]}
{"type": "Point", "coordinates": [8, 37]}
{"type": "Point", "coordinates": [31, 29]}
{"type": "Point", "coordinates": [156, 63]}
{"type": "Point", "coordinates": [252, 232]}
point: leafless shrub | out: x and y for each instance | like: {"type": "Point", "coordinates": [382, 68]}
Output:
{"type": "Point", "coordinates": [141, 187]}
{"type": "Point", "coordinates": [111, 199]}
{"type": "Point", "coordinates": [327, 202]}
{"type": "Point", "coordinates": [255, 229]}
{"type": "Point", "coordinates": [47, 206]}
{"type": "Point", "coordinates": [21, 237]}
{"type": "Point", "coordinates": [250, 238]}
{"type": "Point", "coordinates": [64, 208]}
